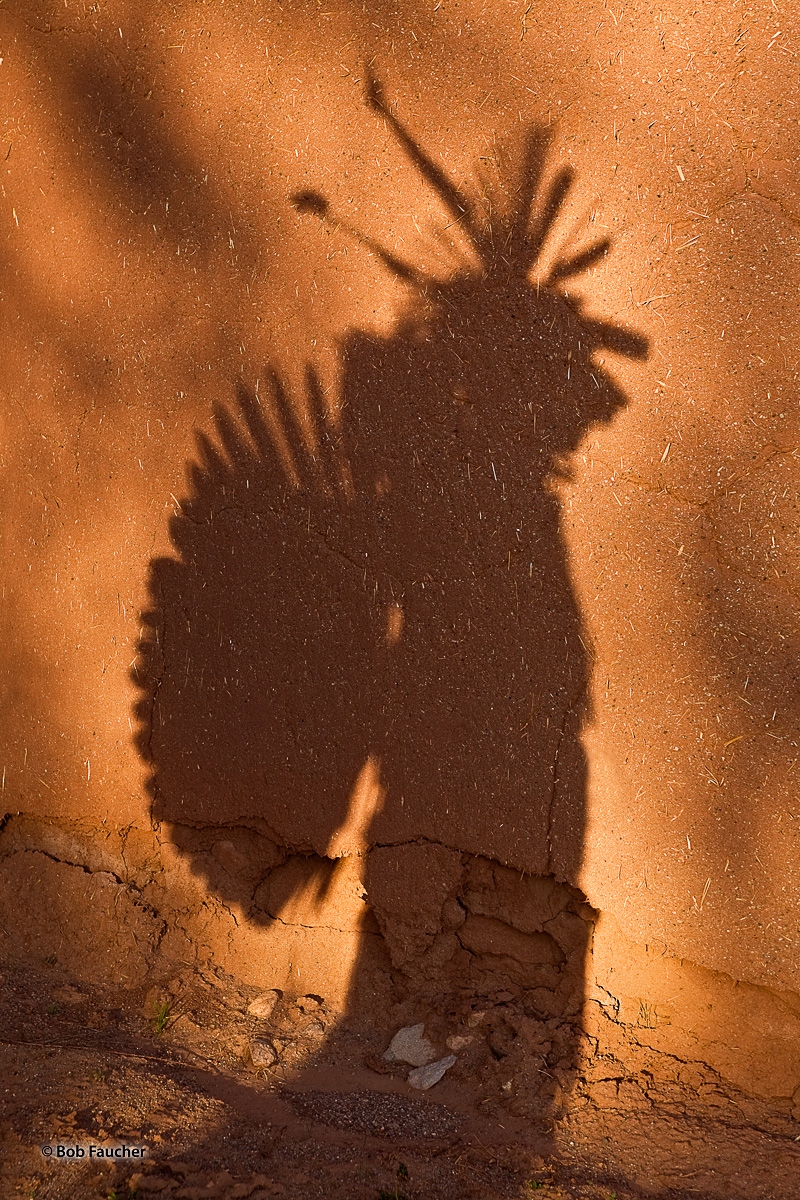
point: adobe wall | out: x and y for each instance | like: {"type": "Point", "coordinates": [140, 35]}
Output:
{"type": "Point", "coordinates": [153, 264]}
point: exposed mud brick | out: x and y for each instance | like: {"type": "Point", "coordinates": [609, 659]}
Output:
{"type": "Point", "coordinates": [83, 845]}
{"type": "Point", "coordinates": [543, 1002]}
{"type": "Point", "coordinates": [313, 891]}
{"type": "Point", "coordinates": [185, 878]}
{"type": "Point", "coordinates": [230, 866]}
{"type": "Point", "coordinates": [239, 849]}
{"type": "Point", "coordinates": [90, 922]}
{"type": "Point", "coordinates": [141, 855]}
{"type": "Point", "coordinates": [407, 888]}
{"type": "Point", "coordinates": [571, 932]}
{"type": "Point", "coordinates": [453, 914]}
{"type": "Point", "coordinates": [527, 902]}
{"type": "Point", "coordinates": [246, 855]}
{"type": "Point", "coordinates": [676, 1007]}
{"type": "Point", "coordinates": [527, 959]}
{"type": "Point", "coordinates": [446, 952]}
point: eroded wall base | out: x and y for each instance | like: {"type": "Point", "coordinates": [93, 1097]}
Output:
{"type": "Point", "coordinates": [418, 923]}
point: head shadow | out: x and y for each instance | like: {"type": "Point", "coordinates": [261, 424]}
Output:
{"type": "Point", "coordinates": [364, 673]}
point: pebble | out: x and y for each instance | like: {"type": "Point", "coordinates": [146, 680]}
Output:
{"type": "Point", "coordinates": [153, 1183]}
{"type": "Point", "coordinates": [425, 1077]}
{"type": "Point", "coordinates": [315, 1030]}
{"type": "Point", "coordinates": [309, 1004]}
{"type": "Point", "coordinates": [263, 1005]}
{"type": "Point", "coordinates": [458, 1043]}
{"type": "Point", "coordinates": [68, 994]}
{"type": "Point", "coordinates": [409, 1045]}
{"type": "Point", "coordinates": [263, 1054]}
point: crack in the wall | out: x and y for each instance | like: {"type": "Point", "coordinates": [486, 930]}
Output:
{"type": "Point", "coordinates": [610, 1002]}
{"type": "Point", "coordinates": [716, 555]}
{"type": "Point", "coordinates": [318, 928]}
{"type": "Point", "coordinates": [792, 217]}
{"type": "Point", "coordinates": [125, 885]}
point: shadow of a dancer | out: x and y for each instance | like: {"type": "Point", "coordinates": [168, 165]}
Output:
{"type": "Point", "coordinates": [364, 674]}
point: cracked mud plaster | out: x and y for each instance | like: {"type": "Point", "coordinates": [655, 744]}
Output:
{"type": "Point", "coordinates": [449, 922]}
{"type": "Point", "coordinates": [423, 923]}
{"type": "Point", "coordinates": [94, 925]}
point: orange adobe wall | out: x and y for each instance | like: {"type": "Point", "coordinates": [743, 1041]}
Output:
{"type": "Point", "coordinates": [400, 536]}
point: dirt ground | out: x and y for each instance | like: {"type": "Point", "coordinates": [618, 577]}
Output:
{"type": "Point", "coordinates": [172, 1071]}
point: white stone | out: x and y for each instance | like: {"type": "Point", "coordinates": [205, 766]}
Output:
{"type": "Point", "coordinates": [263, 1005]}
{"type": "Point", "coordinates": [409, 1045]}
{"type": "Point", "coordinates": [425, 1077]}
{"type": "Point", "coordinates": [263, 1054]}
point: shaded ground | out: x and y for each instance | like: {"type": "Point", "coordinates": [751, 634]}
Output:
{"type": "Point", "coordinates": [90, 1067]}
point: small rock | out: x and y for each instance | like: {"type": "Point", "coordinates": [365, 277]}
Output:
{"type": "Point", "coordinates": [68, 994]}
{"type": "Point", "coordinates": [263, 1005]}
{"type": "Point", "coordinates": [210, 976]}
{"type": "Point", "coordinates": [425, 1077]}
{"type": "Point", "coordinates": [236, 1044]}
{"type": "Point", "coordinates": [409, 1045]}
{"type": "Point", "coordinates": [309, 1004]}
{"type": "Point", "coordinates": [474, 1019]}
{"type": "Point", "coordinates": [153, 1183]}
{"type": "Point", "coordinates": [458, 1043]}
{"type": "Point", "coordinates": [178, 1167]}
{"type": "Point", "coordinates": [262, 1054]}
{"type": "Point", "coordinates": [315, 1030]}
{"type": "Point", "coordinates": [379, 1065]}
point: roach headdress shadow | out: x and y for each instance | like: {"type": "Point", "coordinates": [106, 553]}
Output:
{"type": "Point", "coordinates": [507, 240]}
